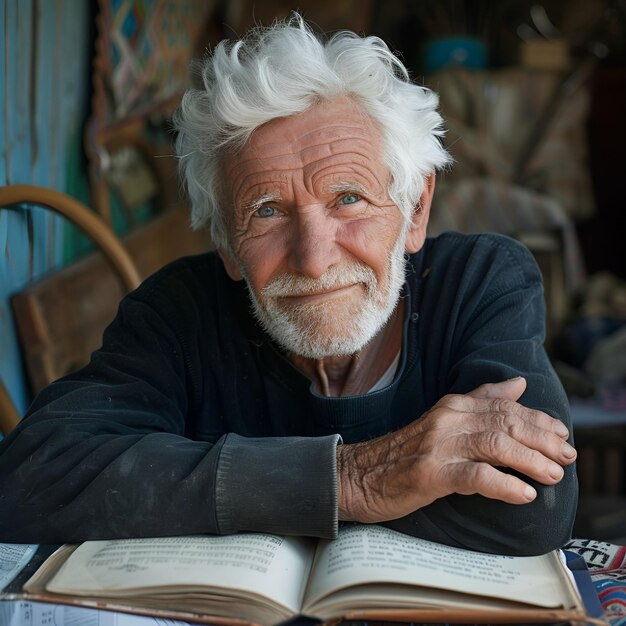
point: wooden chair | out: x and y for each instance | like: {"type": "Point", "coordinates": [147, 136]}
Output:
{"type": "Point", "coordinates": [60, 318]}
{"type": "Point", "coordinates": [43, 345]}
{"type": "Point", "coordinates": [82, 217]}
{"type": "Point", "coordinates": [9, 415]}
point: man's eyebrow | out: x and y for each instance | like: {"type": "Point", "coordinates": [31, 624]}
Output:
{"type": "Point", "coordinates": [257, 203]}
{"type": "Point", "coordinates": [345, 187]}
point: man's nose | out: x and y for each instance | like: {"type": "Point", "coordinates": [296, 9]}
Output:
{"type": "Point", "coordinates": [314, 245]}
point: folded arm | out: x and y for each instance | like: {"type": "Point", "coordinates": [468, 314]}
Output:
{"type": "Point", "coordinates": [488, 466]}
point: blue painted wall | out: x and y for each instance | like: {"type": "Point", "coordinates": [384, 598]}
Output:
{"type": "Point", "coordinates": [44, 79]}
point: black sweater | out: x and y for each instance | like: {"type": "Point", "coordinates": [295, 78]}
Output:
{"type": "Point", "coordinates": [189, 419]}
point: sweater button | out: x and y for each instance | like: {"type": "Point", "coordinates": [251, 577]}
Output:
{"type": "Point", "coordinates": [415, 317]}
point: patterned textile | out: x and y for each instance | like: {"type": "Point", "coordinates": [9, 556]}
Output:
{"type": "Point", "coordinates": [150, 44]}
{"type": "Point", "coordinates": [607, 565]}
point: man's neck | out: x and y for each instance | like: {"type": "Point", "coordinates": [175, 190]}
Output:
{"type": "Point", "coordinates": [356, 374]}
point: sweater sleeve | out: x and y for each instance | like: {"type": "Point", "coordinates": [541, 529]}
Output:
{"type": "Point", "coordinates": [494, 310]}
{"type": "Point", "coordinates": [107, 452]}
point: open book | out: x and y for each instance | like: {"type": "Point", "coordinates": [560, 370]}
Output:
{"type": "Point", "coordinates": [368, 572]}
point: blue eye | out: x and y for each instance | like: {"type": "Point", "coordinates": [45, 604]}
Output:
{"type": "Point", "coordinates": [349, 198]}
{"type": "Point", "coordinates": [266, 211]}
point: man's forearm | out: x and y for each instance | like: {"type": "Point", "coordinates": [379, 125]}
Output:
{"type": "Point", "coordinates": [62, 484]}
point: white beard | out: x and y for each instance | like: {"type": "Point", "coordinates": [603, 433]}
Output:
{"type": "Point", "coordinates": [341, 326]}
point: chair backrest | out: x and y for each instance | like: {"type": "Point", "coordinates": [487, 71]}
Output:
{"type": "Point", "coordinates": [9, 416]}
{"type": "Point", "coordinates": [32, 317]}
{"type": "Point", "coordinates": [77, 213]}
{"type": "Point", "coordinates": [60, 318]}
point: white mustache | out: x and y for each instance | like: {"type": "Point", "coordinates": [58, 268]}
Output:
{"type": "Point", "coordinates": [335, 278]}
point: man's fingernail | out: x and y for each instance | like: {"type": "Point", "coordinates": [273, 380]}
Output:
{"type": "Point", "coordinates": [508, 380]}
{"type": "Point", "coordinates": [561, 430]}
{"type": "Point", "coordinates": [556, 471]}
{"type": "Point", "coordinates": [529, 493]}
{"type": "Point", "coordinates": [568, 451]}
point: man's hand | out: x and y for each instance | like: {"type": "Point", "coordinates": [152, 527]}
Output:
{"type": "Point", "coordinates": [456, 447]}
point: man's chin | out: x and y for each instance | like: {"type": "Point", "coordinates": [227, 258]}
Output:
{"type": "Point", "coordinates": [333, 327]}
{"type": "Point", "coordinates": [322, 349]}
{"type": "Point", "coordinates": [312, 337]}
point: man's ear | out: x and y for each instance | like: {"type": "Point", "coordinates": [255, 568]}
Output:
{"type": "Point", "coordinates": [419, 220]}
{"type": "Point", "coordinates": [231, 266]}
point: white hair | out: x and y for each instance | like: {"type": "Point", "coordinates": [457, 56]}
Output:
{"type": "Point", "coordinates": [283, 70]}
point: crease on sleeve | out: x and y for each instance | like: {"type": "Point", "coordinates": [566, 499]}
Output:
{"type": "Point", "coordinates": [282, 485]}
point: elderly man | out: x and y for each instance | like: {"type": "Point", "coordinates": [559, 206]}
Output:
{"type": "Point", "coordinates": [329, 362]}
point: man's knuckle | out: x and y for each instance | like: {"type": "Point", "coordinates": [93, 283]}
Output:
{"type": "Point", "coordinates": [508, 407]}
{"type": "Point", "coordinates": [506, 422]}
{"type": "Point", "coordinates": [496, 443]}
{"type": "Point", "coordinates": [440, 417]}
{"type": "Point", "coordinates": [539, 418]}
{"type": "Point", "coordinates": [534, 458]}
{"type": "Point", "coordinates": [497, 405]}
{"type": "Point", "coordinates": [481, 475]}
{"type": "Point", "coordinates": [428, 443]}
{"type": "Point", "coordinates": [454, 401]}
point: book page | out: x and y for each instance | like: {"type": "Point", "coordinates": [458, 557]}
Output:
{"type": "Point", "coordinates": [272, 566]}
{"type": "Point", "coordinates": [395, 596]}
{"type": "Point", "coordinates": [13, 558]}
{"type": "Point", "coordinates": [26, 613]}
{"type": "Point", "coordinates": [367, 554]}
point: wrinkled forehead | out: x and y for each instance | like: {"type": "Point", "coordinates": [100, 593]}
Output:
{"type": "Point", "coordinates": [334, 124]}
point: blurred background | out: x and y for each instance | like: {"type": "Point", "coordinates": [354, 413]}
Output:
{"type": "Point", "coordinates": [534, 97]}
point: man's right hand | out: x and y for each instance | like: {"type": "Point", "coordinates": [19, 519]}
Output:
{"type": "Point", "coordinates": [455, 447]}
